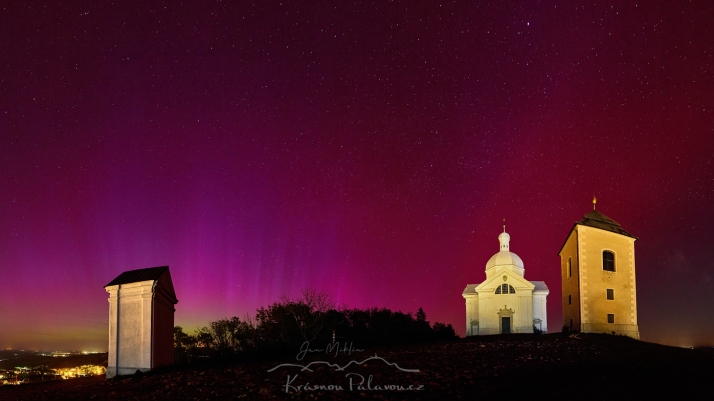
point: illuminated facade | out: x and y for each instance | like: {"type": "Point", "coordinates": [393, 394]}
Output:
{"type": "Point", "coordinates": [598, 275]}
{"type": "Point", "coordinates": [505, 302]}
{"type": "Point", "coordinates": [141, 321]}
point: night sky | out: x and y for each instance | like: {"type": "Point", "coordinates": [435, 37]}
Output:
{"type": "Point", "coordinates": [370, 150]}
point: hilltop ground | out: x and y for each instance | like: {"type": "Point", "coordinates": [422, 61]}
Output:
{"type": "Point", "coordinates": [553, 366]}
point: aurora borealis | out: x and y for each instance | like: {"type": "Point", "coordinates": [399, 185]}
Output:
{"type": "Point", "coordinates": [367, 149]}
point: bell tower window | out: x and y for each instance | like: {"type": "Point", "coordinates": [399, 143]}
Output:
{"type": "Point", "coordinates": [608, 261]}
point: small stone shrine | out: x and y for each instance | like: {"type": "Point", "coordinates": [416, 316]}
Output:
{"type": "Point", "coordinates": [141, 321]}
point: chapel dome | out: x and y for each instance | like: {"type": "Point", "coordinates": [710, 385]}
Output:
{"type": "Point", "coordinates": [504, 257]}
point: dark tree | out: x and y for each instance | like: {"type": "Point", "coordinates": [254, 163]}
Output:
{"type": "Point", "coordinates": [421, 315]}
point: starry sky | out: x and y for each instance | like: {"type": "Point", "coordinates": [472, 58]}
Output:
{"type": "Point", "coordinates": [367, 149]}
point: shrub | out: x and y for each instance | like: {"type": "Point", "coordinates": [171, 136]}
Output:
{"type": "Point", "coordinates": [286, 325]}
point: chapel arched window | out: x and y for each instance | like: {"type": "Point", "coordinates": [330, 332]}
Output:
{"type": "Point", "coordinates": [505, 289]}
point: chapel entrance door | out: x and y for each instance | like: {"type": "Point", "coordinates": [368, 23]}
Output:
{"type": "Point", "coordinates": [505, 325]}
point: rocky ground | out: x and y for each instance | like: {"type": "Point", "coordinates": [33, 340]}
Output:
{"type": "Point", "coordinates": [554, 366]}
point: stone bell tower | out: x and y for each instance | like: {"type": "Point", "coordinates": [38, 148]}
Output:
{"type": "Point", "coordinates": [597, 263]}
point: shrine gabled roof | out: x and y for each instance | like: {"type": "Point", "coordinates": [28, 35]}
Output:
{"type": "Point", "coordinates": [135, 276]}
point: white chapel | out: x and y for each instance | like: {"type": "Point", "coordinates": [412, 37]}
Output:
{"type": "Point", "coordinates": [505, 302]}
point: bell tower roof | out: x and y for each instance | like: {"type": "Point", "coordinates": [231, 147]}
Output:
{"type": "Point", "coordinates": [598, 220]}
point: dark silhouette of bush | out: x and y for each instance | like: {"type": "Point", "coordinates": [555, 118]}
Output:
{"type": "Point", "coordinates": [285, 326]}
{"type": "Point", "coordinates": [443, 331]}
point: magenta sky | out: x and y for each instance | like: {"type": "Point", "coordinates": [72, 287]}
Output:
{"type": "Point", "coordinates": [369, 150]}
